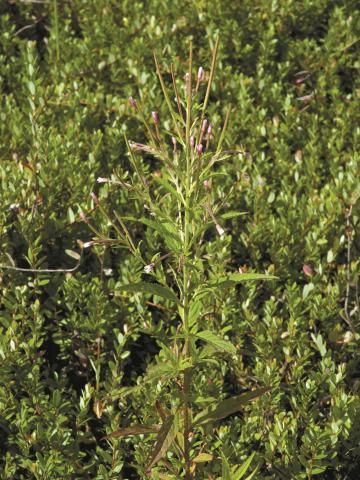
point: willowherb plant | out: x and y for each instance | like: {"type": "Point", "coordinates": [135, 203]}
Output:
{"type": "Point", "coordinates": [181, 208]}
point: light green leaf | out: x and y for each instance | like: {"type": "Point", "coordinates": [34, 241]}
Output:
{"type": "Point", "coordinates": [217, 342]}
{"type": "Point", "coordinates": [234, 278]}
{"type": "Point", "coordinates": [244, 467]}
{"type": "Point", "coordinates": [227, 407]}
{"type": "Point", "coordinates": [164, 441]}
{"type": "Point", "coordinates": [203, 457]}
{"type": "Point", "coordinates": [232, 214]}
{"type": "Point", "coordinates": [151, 288]}
{"type": "Point", "coordinates": [73, 254]}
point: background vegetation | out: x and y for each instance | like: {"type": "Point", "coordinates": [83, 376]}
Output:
{"type": "Point", "coordinates": [68, 344]}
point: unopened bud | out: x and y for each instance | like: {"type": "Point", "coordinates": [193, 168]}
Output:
{"type": "Point", "coordinates": [192, 142]}
{"type": "Point", "coordinates": [209, 130]}
{"type": "Point", "coordinates": [83, 217]}
{"type": "Point", "coordinates": [204, 125]}
{"type": "Point", "coordinates": [102, 180]}
{"type": "Point", "coordinates": [173, 139]}
{"type": "Point", "coordinates": [200, 74]}
{"type": "Point", "coordinates": [199, 149]}
{"type": "Point", "coordinates": [94, 197]}
{"type": "Point", "coordinates": [155, 117]}
{"type": "Point", "coordinates": [206, 184]}
{"type": "Point", "coordinates": [220, 230]}
{"type": "Point", "coordinates": [132, 102]}
{"type": "Point", "coordinates": [88, 244]}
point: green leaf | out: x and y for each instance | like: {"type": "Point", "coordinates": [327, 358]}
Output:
{"type": "Point", "coordinates": [164, 441]}
{"type": "Point", "coordinates": [151, 288]}
{"type": "Point", "coordinates": [232, 214]}
{"type": "Point", "coordinates": [134, 430]}
{"type": "Point", "coordinates": [73, 254]}
{"type": "Point", "coordinates": [234, 278]}
{"type": "Point", "coordinates": [217, 342]}
{"type": "Point", "coordinates": [203, 457]}
{"type": "Point", "coordinates": [227, 407]}
{"type": "Point", "coordinates": [244, 467]}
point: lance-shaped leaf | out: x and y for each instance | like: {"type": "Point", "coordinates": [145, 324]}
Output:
{"type": "Point", "coordinates": [234, 278]}
{"type": "Point", "coordinates": [218, 342]}
{"type": "Point", "coordinates": [227, 407]}
{"type": "Point", "coordinates": [152, 288]}
{"type": "Point", "coordinates": [134, 430]}
{"type": "Point", "coordinates": [164, 441]}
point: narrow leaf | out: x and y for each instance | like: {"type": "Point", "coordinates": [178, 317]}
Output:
{"type": "Point", "coordinates": [218, 342]}
{"type": "Point", "coordinates": [163, 442]}
{"type": "Point", "coordinates": [227, 407]}
{"type": "Point", "coordinates": [151, 288]}
{"type": "Point", "coordinates": [203, 457]}
{"type": "Point", "coordinates": [244, 467]}
{"type": "Point", "coordinates": [232, 214]}
{"type": "Point", "coordinates": [234, 278]}
{"type": "Point", "coordinates": [134, 430]}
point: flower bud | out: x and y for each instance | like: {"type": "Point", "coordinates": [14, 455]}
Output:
{"type": "Point", "coordinates": [173, 139]}
{"type": "Point", "coordinates": [155, 117]}
{"type": "Point", "coordinates": [83, 216]}
{"type": "Point", "coordinates": [149, 268]}
{"type": "Point", "coordinates": [200, 75]}
{"type": "Point", "coordinates": [192, 142]}
{"type": "Point", "coordinates": [102, 180]}
{"type": "Point", "coordinates": [94, 197]}
{"type": "Point", "coordinates": [132, 102]}
{"type": "Point", "coordinates": [209, 130]}
{"type": "Point", "coordinates": [206, 184]}
{"type": "Point", "coordinates": [204, 125]}
{"type": "Point", "coordinates": [199, 149]}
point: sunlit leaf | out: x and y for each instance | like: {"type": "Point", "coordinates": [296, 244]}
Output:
{"type": "Point", "coordinates": [218, 342]}
{"type": "Point", "coordinates": [151, 288]}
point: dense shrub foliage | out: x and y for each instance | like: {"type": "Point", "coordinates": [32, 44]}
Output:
{"type": "Point", "coordinates": [76, 351]}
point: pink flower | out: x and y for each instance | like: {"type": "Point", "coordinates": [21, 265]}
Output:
{"type": "Point", "coordinates": [200, 75]}
{"type": "Point", "coordinates": [199, 149]}
{"type": "Point", "coordinates": [94, 197]}
{"type": "Point", "coordinates": [132, 102]}
{"type": "Point", "coordinates": [308, 270]}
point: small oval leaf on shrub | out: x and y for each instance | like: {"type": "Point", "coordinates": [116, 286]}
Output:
{"type": "Point", "coordinates": [226, 407]}
{"type": "Point", "coordinates": [73, 254]}
{"type": "Point", "coordinates": [203, 457]}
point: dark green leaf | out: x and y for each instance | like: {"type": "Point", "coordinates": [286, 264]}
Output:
{"type": "Point", "coordinates": [217, 342]}
{"type": "Point", "coordinates": [164, 441]}
{"type": "Point", "coordinates": [134, 430]}
{"type": "Point", "coordinates": [151, 288]}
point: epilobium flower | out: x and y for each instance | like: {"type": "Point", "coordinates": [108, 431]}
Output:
{"type": "Point", "coordinates": [88, 244]}
{"type": "Point", "coordinates": [132, 102]}
{"type": "Point", "coordinates": [149, 268]}
{"type": "Point", "coordinates": [102, 180]}
{"type": "Point", "coordinates": [155, 117]}
{"type": "Point", "coordinates": [199, 149]}
{"type": "Point", "coordinates": [209, 130]}
{"type": "Point", "coordinates": [200, 74]}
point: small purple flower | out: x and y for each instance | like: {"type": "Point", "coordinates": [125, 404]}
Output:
{"type": "Point", "coordinates": [192, 142]}
{"type": "Point", "coordinates": [132, 102]}
{"type": "Point", "coordinates": [204, 125]}
{"type": "Point", "coordinates": [199, 149]}
{"type": "Point", "coordinates": [200, 74]}
{"type": "Point", "coordinates": [209, 130]}
{"type": "Point", "coordinates": [155, 117]}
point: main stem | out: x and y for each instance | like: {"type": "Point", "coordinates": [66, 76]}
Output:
{"type": "Point", "coordinates": [186, 290]}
